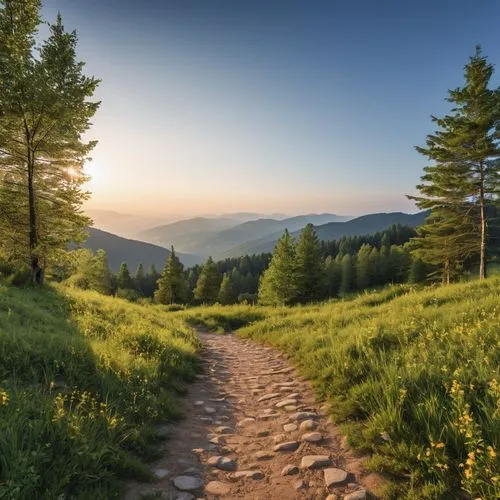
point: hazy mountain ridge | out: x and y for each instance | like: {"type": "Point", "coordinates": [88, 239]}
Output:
{"type": "Point", "coordinates": [132, 252]}
{"type": "Point", "coordinates": [365, 224]}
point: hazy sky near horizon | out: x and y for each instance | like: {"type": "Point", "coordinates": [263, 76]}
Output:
{"type": "Point", "coordinates": [269, 106]}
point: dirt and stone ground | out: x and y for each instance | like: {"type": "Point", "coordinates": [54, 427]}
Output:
{"type": "Point", "coordinates": [253, 430]}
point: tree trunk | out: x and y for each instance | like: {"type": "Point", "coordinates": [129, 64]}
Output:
{"type": "Point", "coordinates": [482, 250]}
{"type": "Point", "coordinates": [36, 270]}
{"type": "Point", "coordinates": [446, 277]}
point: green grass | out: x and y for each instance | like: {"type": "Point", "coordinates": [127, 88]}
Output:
{"type": "Point", "coordinates": [83, 380]}
{"type": "Point", "coordinates": [418, 367]}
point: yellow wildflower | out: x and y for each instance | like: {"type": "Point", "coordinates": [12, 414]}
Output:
{"type": "Point", "coordinates": [4, 398]}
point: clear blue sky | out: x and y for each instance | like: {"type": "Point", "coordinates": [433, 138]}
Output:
{"type": "Point", "coordinates": [289, 106]}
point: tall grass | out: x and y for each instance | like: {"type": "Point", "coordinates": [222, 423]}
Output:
{"type": "Point", "coordinates": [83, 379]}
{"type": "Point", "coordinates": [413, 374]}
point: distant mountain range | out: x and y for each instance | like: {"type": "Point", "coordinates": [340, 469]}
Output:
{"type": "Point", "coordinates": [206, 236]}
{"type": "Point", "coordinates": [197, 238]}
{"type": "Point", "coordinates": [359, 226]}
{"type": "Point", "coordinates": [132, 252]}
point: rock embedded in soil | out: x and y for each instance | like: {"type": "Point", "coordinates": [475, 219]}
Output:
{"type": "Point", "coordinates": [289, 470]}
{"type": "Point", "coordinates": [285, 402]}
{"type": "Point", "coordinates": [288, 446]}
{"type": "Point", "coordinates": [314, 461]}
{"type": "Point", "coordinates": [290, 427]}
{"type": "Point", "coordinates": [209, 410]}
{"type": "Point", "coordinates": [308, 425]}
{"type": "Point", "coordinates": [224, 430]}
{"type": "Point", "coordinates": [187, 483]}
{"type": "Point", "coordinates": [262, 434]}
{"type": "Point", "coordinates": [303, 415]}
{"type": "Point", "coordinates": [300, 485]}
{"type": "Point", "coordinates": [184, 495]}
{"type": "Point", "coordinates": [217, 488]}
{"type": "Point", "coordinates": [312, 437]}
{"type": "Point", "coordinates": [249, 474]}
{"type": "Point", "coordinates": [264, 455]}
{"type": "Point", "coordinates": [246, 421]}
{"type": "Point", "coordinates": [222, 463]}
{"type": "Point", "coordinates": [268, 396]}
{"type": "Point", "coordinates": [160, 473]}
{"type": "Point", "coordinates": [334, 477]}
{"type": "Point", "coordinates": [199, 403]}
{"type": "Point", "coordinates": [279, 438]}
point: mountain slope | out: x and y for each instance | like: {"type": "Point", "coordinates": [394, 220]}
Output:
{"type": "Point", "coordinates": [132, 252]}
{"type": "Point", "coordinates": [219, 243]}
{"type": "Point", "coordinates": [365, 224]}
{"type": "Point", "coordinates": [186, 235]}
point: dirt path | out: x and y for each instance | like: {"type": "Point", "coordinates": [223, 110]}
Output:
{"type": "Point", "coordinates": [253, 430]}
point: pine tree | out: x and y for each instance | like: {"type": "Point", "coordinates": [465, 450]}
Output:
{"type": "Point", "coordinates": [123, 278]}
{"type": "Point", "coordinates": [348, 274]}
{"type": "Point", "coordinates": [364, 267]}
{"type": "Point", "coordinates": [227, 293]}
{"type": "Point", "coordinates": [44, 113]}
{"type": "Point", "coordinates": [309, 266]}
{"type": "Point", "coordinates": [140, 279]}
{"type": "Point", "coordinates": [172, 287]}
{"type": "Point", "coordinates": [278, 285]}
{"type": "Point", "coordinates": [463, 177]}
{"type": "Point", "coordinates": [333, 273]}
{"type": "Point", "coordinates": [207, 287]}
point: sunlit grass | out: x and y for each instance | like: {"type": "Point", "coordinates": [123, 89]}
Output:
{"type": "Point", "coordinates": [412, 375]}
{"type": "Point", "coordinates": [83, 379]}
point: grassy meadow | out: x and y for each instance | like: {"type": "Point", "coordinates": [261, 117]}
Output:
{"type": "Point", "coordinates": [83, 380]}
{"type": "Point", "coordinates": [411, 373]}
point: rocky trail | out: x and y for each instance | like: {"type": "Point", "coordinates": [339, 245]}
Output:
{"type": "Point", "coordinates": [253, 430]}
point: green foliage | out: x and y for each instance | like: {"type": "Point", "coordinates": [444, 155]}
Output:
{"type": "Point", "coordinates": [278, 284]}
{"type": "Point", "coordinates": [172, 285]}
{"type": "Point", "coordinates": [347, 274]}
{"type": "Point", "coordinates": [227, 292]}
{"type": "Point", "coordinates": [45, 110]}
{"type": "Point", "coordinates": [88, 271]}
{"type": "Point", "coordinates": [83, 378]}
{"type": "Point", "coordinates": [309, 266]}
{"type": "Point", "coordinates": [413, 375]}
{"type": "Point", "coordinates": [123, 278]}
{"type": "Point", "coordinates": [208, 284]}
{"type": "Point", "coordinates": [463, 176]}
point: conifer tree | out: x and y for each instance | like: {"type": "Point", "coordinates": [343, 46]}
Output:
{"type": "Point", "coordinates": [172, 285]}
{"type": "Point", "coordinates": [207, 287]}
{"type": "Point", "coordinates": [364, 267]}
{"type": "Point", "coordinates": [278, 285]}
{"type": "Point", "coordinates": [123, 278]}
{"type": "Point", "coordinates": [140, 279]}
{"type": "Point", "coordinates": [348, 274]}
{"type": "Point", "coordinates": [309, 266]}
{"type": "Point", "coordinates": [333, 273]}
{"type": "Point", "coordinates": [464, 173]}
{"type": "Point", "coordinates": [227, 293]}
{"type": "Point", "coordinates": [44, 112]}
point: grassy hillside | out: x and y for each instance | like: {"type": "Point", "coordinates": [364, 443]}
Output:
{"type": "Point", "coordinates": [83, 380]}
{"type": "Point", "coordinates": [412, 374]}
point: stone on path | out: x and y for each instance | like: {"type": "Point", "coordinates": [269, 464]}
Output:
{"type": "Point", "coordinates": [300, 485]}
{"type": "Point", "coordinates": [268, 416]}
{"type": "Point", "coordinates": [209, 410]}
{"type": "Point", "coordinates": [289, 470]}
{"type": "Point", "coordinates": [334, 477]}
{"type": "Point", "coordinates": [303, 415]}
{"type": "Point", "coordinates": [246, 421]}
{"type": "Point", "coordinates": [199, 403]}
{"type": "Point", "coordinates": [249, 474]}
{"type": "Point", "coordinates": [224, 430]}
{"type": "Point", "coordinates": [314, 461]}
{"type": "Point", "coordinates": [279, 438]}
{"type": "Point", "coordinates": [264, 455]}
{"type": "Point", "coordinates": [187, 483]}
{"type": "Point", "coordinates": [184, 495]}
{"type": "Point", "coordinates": [217, 488]}
{"type": "Point", "coordinates": [308, 425]}
{"type": "Point", "coordinates": [160, 473]}
{"type": "Point", "coordinates": [261, 434]}
{"type": "Point", "coordinates": [312, 437]}
{"type": "Point", "coordinates": [290, 427]}
{"type": "Point", "coordinates": [357, 495]}
{"type": "Point", "coordinates": [288, 446]}
{"type": "Point", "coordinates": [286, 402]}
{"type": "Point", "coordinates": [268, 396]}
{"type": "Point", "coordinates": [222, 463]}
